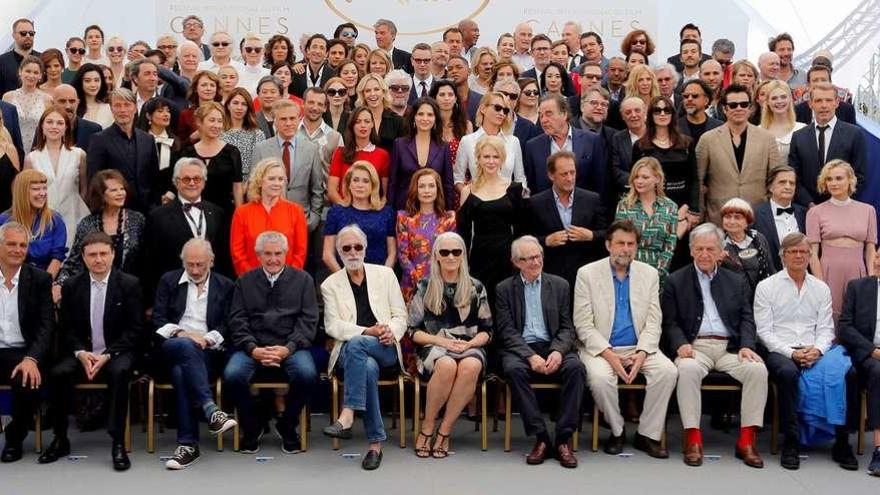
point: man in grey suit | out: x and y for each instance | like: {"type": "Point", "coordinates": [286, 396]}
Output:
{"type": "Point", "coordinates": [302, 162]}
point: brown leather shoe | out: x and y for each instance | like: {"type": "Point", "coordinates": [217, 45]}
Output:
{"type": "Point", "coordinates": [538, 453]}
{"type": "Point", "coordinates": [651, 447]}
{"type": "Point", "coordinates": [693, 454]}
{"type": "Point", "coordinates": [566, 457]}
{"type": "Point", "coordinates": [750, 456]}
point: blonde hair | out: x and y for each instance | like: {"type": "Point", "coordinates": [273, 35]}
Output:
{"type": "Point", "coordinates": [475, 60]}
{"type": "Point", "coordinates": [767, 117]}
{"type": "Point", "coordinates": [206, 108]}
{"type": "Point", "coordinates": [376, 201]}
{"type": "Point", "coordinates": [464, 287]}
{"type": "Point", "coordinates": [493, 142]}
{"type": "Point", "coordinates": [258, 173]}
{"type": "Point", "coordinates": [361, 101]}
{"type": "Point", "coordinates": [653, 165]}
{"type": "Point", "coordinates": [486, 100]}
{"type": "Point", "coordinates": [632, 82]}
{"type": "Point", "coordinates": [384, 56]}
{"type": "Point", "coordinates": [21, 210]}
{"type": "Point", "coordinates": [826, 170]}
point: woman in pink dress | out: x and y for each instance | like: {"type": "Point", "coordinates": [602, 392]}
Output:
{"type": "Point", "coordinates": [842, 231]}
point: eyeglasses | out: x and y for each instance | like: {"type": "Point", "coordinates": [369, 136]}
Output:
{"type": "Point", "coordinates": [724, 63]}
{"type": "Point", "coordinates": [659, 110]}
{"type": "Point", "coordinates": [25, 34]}
{"type": "Point", "coordinates": [191, 180]}
{"type": "Point", "coordinates": [114, 49]}
{"type": "Point", "coordinates": [529, 259]}
{"type": "Point", "coordinates": [348, 34]}
{"type": "Point", "coordinates": [337, 92]}
{"type": "Point", "coordinates": [253, 49]}
{"type": "Point", "coordinates": [422, 60]}
{"type": "Point", "coordinates": [594, 77]}
{"type": "Point", "coordinates": [167, 47]}
{"type": "Point", "coordinates": [218, 44]}
{"type": "Point", "coordinates": [446, 252]}
{"type": "Point", "coordinates": [531, 92]}
{"type": "Point", "coordinates": [512, 96]}
{"type": "Point", "coordinates": [398, 88]}
{"type": "Point", "coordinates": [598, 103]}
{"type": "Point", "coordinates": [738, 104]}
{"type": "Point", "coordinates": [500, 108]}
{"type": "Point", "coordinates": [193, 24]}
{"type": "Point", "coordinates": [691, 96]}
{"type": "Point", "coordinates": [77, 51]}
{"type": "Point", "coordinates": [348, 247]}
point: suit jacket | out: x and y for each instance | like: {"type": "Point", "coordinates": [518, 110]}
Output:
{"type": "Point", "coordinates": [847, 143]}
{"type": "Point", "coordinates": [123, 313]}
{"type": "Point", "coordinates": [718, 172]}
{"type": "Point", "coordinates": [525, 130]}
{"type": "Point", "coordinates": [473, 104]}
{"type": "Point", "coordinates": [9, 63]}
{"type": "Point", "coordinates": [390, 128]}
{"type": "Point", "coordinates": [858, 319]}
{"type": "Point", "coordinates": [684, 126]}
{"type": "Point", "coordinates": [587, 212]}
{"type": "Point", "coordinates": [174, 88]}
{"type": "Point", "coordinates": [106, 152]}
{"type": "Point", "coordinates": [171, 300]}
{"type": "Point", "coordinates": [10, 122]}
{"type": "Point", "coordinates": [340, 311]}
{"type": "Point", "coordinates": [765, 223]}
{"type": "Point", "coordinates": [682, 305]}
{"type": "Point", "coordinates": [405, 162]}
{"type": "Point", "coordinates": [402, 59]}
{"type": "Point", "coordinates": [594, 306]}
{"type": "Point", "coordinates": [845, 112]}
{"type": "Point", "coordinates": [589, 162]}
{"type": "Point", "coordinates": [36, 312]}
{"type": "Point", "coordinates": [267, 127]}
{"type": "Point", "coordinates": [510, 315]}
{"type": "Point", "coordinates": [306, 185]}
{"type": "Point", "coordinates": [299, 82]}
{"type": "Point", "coordinates": [621, 159]}
{"type": "Point", "coordinates": [613, 120]}
{"type": "Point", "coordinates": [84, 131]}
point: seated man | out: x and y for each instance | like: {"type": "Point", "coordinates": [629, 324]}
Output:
{"type": "Point", "coordinates": [780, 215]}
{"type": "Point", "coordinates": [102, 327]}
{"type": "Point", "coordinates": [793, 319]}
{"type": "Point", "coordinates": [190, 313]}
{"type": "Point", "coordinates": [538, 340]}
{"type": "Point", "coordinates": [858, 331]}
{"type": "Point", "coordinates": [272, 323]}
{"type": "Point", "coordinates": [365, 314]}
{"type": "Point", "coordinates": [620, 337]}
{"type": "Point", "coordinates": [708, 323]}
{"type": "Point", "coordinates": [26, 333]}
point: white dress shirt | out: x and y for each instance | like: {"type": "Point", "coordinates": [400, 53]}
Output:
{"type": "Point", "coordinates": [272, 278]}
{"type": "Point", "coordinates": [787, 318]}
{"type": "Point", "coordinates": [785, 223]}
{"type": "Point", "coordinates": [10, 329]}
{"type": "Point", "coordinates": [195, 316]}
{"type": "Point", "coordinates": [523, 60]}
{"type": "Point", "coordinates": [417, 86]}
{"type": "Point", "coordinates": [466, 158]}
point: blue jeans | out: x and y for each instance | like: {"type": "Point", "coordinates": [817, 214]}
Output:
{"type": "Point", "coordinates": [362, 358]}
{"type": "Point", "coordinates": [299, 368]}
{"type": "Point", "coordinates": [189, 375]}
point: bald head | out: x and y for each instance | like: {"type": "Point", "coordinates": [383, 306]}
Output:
{"type": "Point", "coordinates": [768, 65]}
{"type": "Point", "coordinates": [65, 97]}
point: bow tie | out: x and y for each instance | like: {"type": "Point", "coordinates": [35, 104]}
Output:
{"type": "Point", "coordinates": [190, 206]}
{"type": "Point", "coordinates": [789, 210]}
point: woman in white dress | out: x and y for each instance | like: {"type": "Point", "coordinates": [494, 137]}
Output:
{"type": "Point", "coordinates": [92, 90]}
{"type": "Point", "coordinates": [64, 165]}
{"type": "Point", "coordinates": [29, 100]}
{"type": "Point", "coordinates": [777, 115]}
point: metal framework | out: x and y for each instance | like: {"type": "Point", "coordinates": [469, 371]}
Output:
{"type": "Point", "coordinates": [846, 39]}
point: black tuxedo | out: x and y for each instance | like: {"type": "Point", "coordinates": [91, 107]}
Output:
{"type": "Point", "coordinates": [765, 223]}
{"type": "Point", "coordinates": [402, 59]}
{"type": "Point", "coordinates": [847, 143]}
{"type": "Point", "coordinates": [589, 162]}
{"type": "Point", "coordinates": [855, 330]}
{"type": "Point", "coordinates": [109, 149]}
{"type": "Point", "coordinates": [171, 300]}
{"type": "Point", "coordinates": [845, 112]}
{"type": "Point", "coordinates": [299, 82]}
{"type": "Point", "coordinates": [682, 304]}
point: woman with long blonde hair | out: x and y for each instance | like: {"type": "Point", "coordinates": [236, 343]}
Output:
{"type": "Point", "coordinates": [642, 83]}
{"type": "Point", "coordinates": [373, 93]}
{"type": "Point", "coordinates": [777, 115]}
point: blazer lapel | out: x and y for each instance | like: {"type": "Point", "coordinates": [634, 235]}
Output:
{"type": "Point", "coordinates": [872, 298]}
{"type": "Point", "coordinates": [726, 144]}
{"type": "Point", "coordinates": [554, 212]}
{"type": "Point", "coordinates": [213, 302]}
{"type": "Point", "coordinates": [109, 301]}
{"type": "Point", "coordinates": [177, 216]}
{"type": "Point", "coordinates": [180, 300]}
{"type": "Point", "coordinates": [433, 152]}
{"type": "Point", "coordinates": [519, 313]}
{"type": "Point", "coordinates": [24, 285]}
{"type": "Point", "coordinates": [546, 303]}
{"type": "Point", "coordinates": [413, 151]}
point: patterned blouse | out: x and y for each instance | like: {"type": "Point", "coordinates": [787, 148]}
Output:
{"type": "Point", "coordinates": [127, 243]}
{"type": "Point", "coordinates": [658, 232]}
{"type": "Point", "coordinates": [415, 239]}
{"type": "Point", "coordinates": [751, 257]}
{"type": "Point", "coordinates": [245, 140]}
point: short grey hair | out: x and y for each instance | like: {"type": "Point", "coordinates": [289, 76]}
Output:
{"type": "Point", "coordinates": [134, 68]}
{"type": "Point", "coordinates": [587, 91]}
{"type": "Point", "coordinates": [13, 225]}
{"type": "Point", "coordinates": [576, 25]}
{"type": "Point", "coordinates": [671, 69]}
{"type": "Point", "coordinates": [270, 236]}
{"type": "Point", "coordinates": [198, 243]}
{"type": "Point", "coordinates": [707, 229]}
{"type": "Point", "coordinates": [723, 45]}
{"type": "Point", "coordinates": [350, 229]}
{"type": "Point", "coordinates": [387, 23]}
{"type": "Point", "coordinates": [516, 245]}
{"type": "Point", "coordinates": [192, 46]}
{"type": "Point", "coordinates": [183, 162]}
{"type": "Point", "coordinates": [398, 75]}
{"type": "Point", "coordinates": [123, 94]}
{"type": "Point", "coordinates": [270, 79]}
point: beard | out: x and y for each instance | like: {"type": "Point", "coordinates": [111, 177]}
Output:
{"type": "Point", "coordinates": [353, 264]}
{"type": "Point", "coordinates": [691, 110]}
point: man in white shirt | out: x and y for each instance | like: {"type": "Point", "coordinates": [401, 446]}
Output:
{"type": "Point", "coordinates": [522, 36]}
{"type": "Point", "coordinates": [221, 54]}
{"type": "Point", "coordinates": [252, 54]}
{"type": "Point", "coordinates": [145, 75]}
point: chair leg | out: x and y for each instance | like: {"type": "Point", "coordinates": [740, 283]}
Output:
{"type": "Point", "coordinates": [863, 414]}
{"type": "Point", "coordinates": [417, 408]}
{"type": "Point", "coordinates": [304, 416]}
{"type": "Point", "coordinates": [236, 434]}
{"type": "Point", "coordinates": [595, 428]}
{"type": "Point", "coordinates": [497, 403]}
{"type": "Point", "coordinates": [128, 423]}
{"type": "Point", "coordinates": [483, 420]}
{"type": "Point", "coordinates": [507, 415]}
{"type": "Point", "coordinates": [774, 428]}
{"type": "Point", "coordinates": [38, 431]}
{"type": "Point", "coordinates": [151, 441]}
{"type": "Point", "coordinates": [574, 439]}
{"type": "Point", "coordinates": [220, 406]}
{"type": "Point", "coordinates": [401, 388]}
{"type": "Point", "coordinates": [334, 401]}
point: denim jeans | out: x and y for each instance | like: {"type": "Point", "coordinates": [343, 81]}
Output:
{"type": "Point", "coordinates": [362, 358]}
{"type": "Point", "coordinates": [189, 375]}
{"type": "Point", "coordinates": [299, 368]}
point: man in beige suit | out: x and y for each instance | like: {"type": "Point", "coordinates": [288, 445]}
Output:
{"type": "Point", "coordinates": [735, 159]}
{"type": "Point", "coordinates": [364, 312]}
{"type": "Point", "coordinates": [617, 319]}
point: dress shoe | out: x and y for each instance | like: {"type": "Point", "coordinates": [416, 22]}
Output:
{"type": "Point", "coordinates": [874, 466]}
{"type": "Point", "coordinates": [120, 458]}
{"type": "Point", "coordinates": [59, 448]}
{"type": "Point", "coordinates": [693, 454]}
{"type": "Point", "coordinates": [790, 458]}
{"type": "Point", "coordinates": [538, 453]}
{"type": "Point", "coordinates": [11, 452]}
{"type": "Point", "coordinates": [651, 447]}
{"type": "Point", "coordinates": [614, 445]}
{"type": "Point", "coordinates": [843, 455]}
{"type": "Point", "coordinates": [336, 430]}
{"type": "Point", "coordinates": [372, 460]}
{"type": "Point", "coordinates": [750, 456]}
{"type": "Point", "coordinates": [565, 456]}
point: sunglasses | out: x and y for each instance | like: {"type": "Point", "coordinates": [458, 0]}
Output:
{"type": "Point", "coordinates": [422, 60]}
{"type": "Point", "coordinates": [25, 34]}
{"type": "Point", "coordinates": [512, 96]}
{"type": "Point", "coordinates": [218, 44]}
{"type": "Point", "coordinates": [348, 35]}
{"type": "Point", "coordinates": [639, 42]}
{"type": "Point", "coordinates": [398, 88]}
{"type": "Point", "coordinates": [253, 49]}
{"type": "Point", "coordinates": [357, 247]}
{"type": "Point", "coordinates": [691, 96]}
{"type": "Point", "coordinates": [659, 110]}
{"type": "Point", "coordinates": [337, 92]}
{"type": "Point", "coordinates": [114, 49]}
{"type": "Point", "coordinates": [738, 104]}
{"type": "Point", "coordinates": [167, 47]}
{"type": "Point", "coordinates": [531, 92]}
{"type": "Point", "coordinates": [501, 108]}
{"type": "Point", "coordinates": [191, 180]}
{"type": "Point", "coordinates": [446, 252]}
{"type": "Point", "coordinates": [77, 51]}
{"type": "Point", "coordinates": [594, 77]}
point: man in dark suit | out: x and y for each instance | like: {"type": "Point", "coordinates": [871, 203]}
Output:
{"type": "Point", "coordinates": [560, 135]}
{"type": "Point", "coordinates": [102, 322]}
{"type": "Point", "coordinates": [422, 78]}
{"type": "Point", "coordinates": [709, 325]}
{"type": "Point", "coordinates": [634, 113]}
{"type": "Point", "coordinates": [696, 96]}
{"type": "Point", "coordinates": [26, 338]}
{"type": "Point", "coordinates": [272, 324]}
{"type": "Point", "coordinates": [127, 149]}
{"type": "Point", "coordinates": [596, 107]}
{"type": "Point", "coordinates": [10, 122]}
{"type": "Point", "coordinates": [802, 111]}
{"type": "Point", "coordinates": [386, 33]}
{"type": "Point", "coordinates": [317, 72]}
{"type": "Point", "coordinates": [858, 331]}
{"type": "Point", "coordinates": [540, 50]}
{"type": "Point", "coordinates": [23, 37]}
{"type": "Point", "coordinates": [826, 139]}
{"type": "Point", "coordinates": [688, 32]}
{"type": "Point", "coordinates": [780, 216]}
{"type": "Point", "coordinates": [190, 319]}
{"type": "Point", "coordinates": [538, 342]}
{"type": "Point", "coordinates": [568, 221]}
{"type": "Point", "coordinates": [591, 77]}
{"type": "Point", "coordinates": [66, 98]}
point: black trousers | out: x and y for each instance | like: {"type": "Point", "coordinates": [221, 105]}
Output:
{"type": "Point", "coordinates": [69, 371]}
{"type": "Point", "coordinates": [869, 370]}
{"type": "Point", "coordinates": [571, 374]}
{"type": "Point", "coordinates": [24, 400]}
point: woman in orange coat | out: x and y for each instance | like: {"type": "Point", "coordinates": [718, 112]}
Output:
{"type": "Point", "coordinates": [267, 210]}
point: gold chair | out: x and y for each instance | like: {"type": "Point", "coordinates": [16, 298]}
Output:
{"type": "Point", "coordinates": [507, 412]}
{"type": "Point", "coordinates": [417, 410]}
{"type": "Point", "coordinates": [38, 427]}
{"type": "Point", "coordinates": [336, 383]}
{"type": "Point", "coordinates": [303, 415]}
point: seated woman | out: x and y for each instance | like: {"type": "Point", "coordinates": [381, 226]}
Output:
{"type": "Point", "coordinates": [745, 250]}
{"type": "Point", "coordinates": [267, 209]}
{"type": "Point", "coordinates": [451, 323]}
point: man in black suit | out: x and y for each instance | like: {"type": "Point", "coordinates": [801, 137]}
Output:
{"type": "Point", "coordinates": [386, 32]}
{"type": "Point", "coordinates": [317, 72]}
{"type": "Point", "coordinates": [802, 111]}
{"type": "Point", "coordinates": [190, 319]}
{"type": "Point", "coordinates": [780, 216]}
{"type": "Point", "coordinates": [66, 98]}
{"type": "Point", "coordinates": [559, 135]}
{"type": "Point", "coordinates": [591, 77]}
{"type": "Point", "coordinates": [568, 221]}
{"type": "Point", "coordinates": [857, 330]}
{"type": "Point", "coordinates": [696, 96]}
{"type": "Point", "coordinates": [272, 323]}
{"type": "Point", "coordinates": [634, 113]}
{"type": "Point", "coordinates": [826, 139]}
{"type": "Point", "coordinates": [538, 343]}
{"type": "Point", "coordinates": [26, 339]}
{"type": "Point", "coordinates": [708, 325]}
{"type": "Point", "coordinates": [102, 327]}
{"type": "Point", "coordinates": [23, 37]}
{"type": "Point", "coordinates": [422, 78]}
{"type": "Point", "coordinates": [540, 50]}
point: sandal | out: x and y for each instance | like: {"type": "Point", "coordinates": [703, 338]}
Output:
{"type": "Point", "coordinates": [439, 451]}
{"type": "Point", "coordinates": [424, 451]}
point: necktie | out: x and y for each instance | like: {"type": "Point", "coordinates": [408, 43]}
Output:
{"type": "Point", "coordinates": [789, 210]}
{"type": "Point", "coordinates": [285, 157]}
{"type": "Point", "coordinates": [97, 317]}
{"type": "Point", "coordinates": [822, 129]}
{"type": "Point", "coordinates": [190, 206]}
{"type": "Point", "coordinates": [424, 92]}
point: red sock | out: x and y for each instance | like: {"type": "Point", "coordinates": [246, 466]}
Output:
{"type": "Point", "coordinates": [693, 435]}
{"type": "Point", "coordinates": [746, 436]}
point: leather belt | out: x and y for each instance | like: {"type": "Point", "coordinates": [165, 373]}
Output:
{"type": "Point", "coordinates": [712, 337]}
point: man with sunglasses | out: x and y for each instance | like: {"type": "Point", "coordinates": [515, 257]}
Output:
{"type": "Point", "coordinates": [422, 78]}
{"type": "Point", "coordinates": [735, 159]}
{"type": "Point", "coordinates": [695, 97]}
{"type": "Point", "coordinates": [399, 87]}
{"type": "Point", "coordinates": [722, 52]}
{"type": "Point", "coordinates": [221, 54]}
{"type": "Point", "coordinates": [23, 36]}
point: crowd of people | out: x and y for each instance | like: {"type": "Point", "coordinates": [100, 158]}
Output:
{"type": "Point", "coordinates": [533, 210]}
